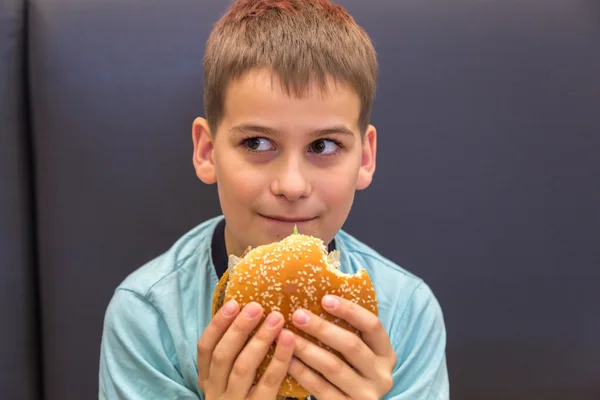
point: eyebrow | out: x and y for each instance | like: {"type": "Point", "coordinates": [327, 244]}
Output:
{"type": "Point", "coordinates": [265, 130]}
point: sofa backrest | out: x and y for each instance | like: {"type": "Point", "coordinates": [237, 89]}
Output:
{"type": "Point", "coordinates": [19, 361]}
{"type": "Point", "coordinates": [116, 85]}
{"type": "Point", "coordinates": [486, 185]}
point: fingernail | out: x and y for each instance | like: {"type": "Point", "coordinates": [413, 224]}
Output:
{"type": "Point", "coordinates": [230, 308]}
{"type": "Point", "coordinates": [252, 310]}
{"type": "Point", "coordinates": [301, 317]}
{"type": "Point", "coordinates": [330, 301]}
{"type": "Point", "coordinates": [286, 338]}
{"type": "Point", "coordinates": [272, 320]}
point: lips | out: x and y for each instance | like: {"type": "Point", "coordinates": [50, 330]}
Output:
{"type": "Point", "coordinates": [287, 218]}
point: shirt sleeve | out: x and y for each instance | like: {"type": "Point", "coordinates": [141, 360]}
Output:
{"type": "Point", "coordinates": [137, 354]}
{"type": "Point", "coordinates": [419, 339]}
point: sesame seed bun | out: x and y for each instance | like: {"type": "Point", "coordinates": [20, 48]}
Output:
{"type": "Point", "coordinates": [291, 274]}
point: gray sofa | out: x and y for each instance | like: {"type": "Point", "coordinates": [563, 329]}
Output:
{"type": "Point", "coordinates": [489, 128]}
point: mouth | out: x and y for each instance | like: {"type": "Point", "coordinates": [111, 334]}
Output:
{"type": "Point", "coordinates": [288, 219]}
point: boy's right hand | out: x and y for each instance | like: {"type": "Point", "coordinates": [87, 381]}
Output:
{"type": "Point", "coordinates": [228, 362]}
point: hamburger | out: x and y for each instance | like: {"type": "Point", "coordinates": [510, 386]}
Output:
{"type": "Point", "coordinates": [284, 276]}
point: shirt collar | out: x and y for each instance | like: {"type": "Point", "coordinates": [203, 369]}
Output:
{"type": "Point", "coordinates": [220, 257]}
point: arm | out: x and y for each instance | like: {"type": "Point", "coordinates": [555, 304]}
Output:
{"type": "Point", "coordinates": [419, 340]}
{"type": "Point", "coordinates": [136, 359]}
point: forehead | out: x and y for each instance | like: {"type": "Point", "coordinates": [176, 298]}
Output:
{"type": "Point", "coordinates": [260, 94]}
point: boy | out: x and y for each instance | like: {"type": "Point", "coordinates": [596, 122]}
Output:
{"type": "Point", "coordinates": [288, 91]}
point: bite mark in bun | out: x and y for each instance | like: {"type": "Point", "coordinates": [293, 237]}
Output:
{"type": "Point", "coordinates": [284, 276]}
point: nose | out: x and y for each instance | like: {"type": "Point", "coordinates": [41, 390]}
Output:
{"type": "Point", "coordinates": [290, 181]}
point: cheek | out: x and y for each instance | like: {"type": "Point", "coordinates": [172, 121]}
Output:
{"type": "Point", "coordinates": [236, 181]}
{"type": "Point", "coordinates": [338, 188]}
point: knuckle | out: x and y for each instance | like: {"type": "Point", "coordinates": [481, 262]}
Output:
{"type": "Point", "coordinates": [298, 372]}
{"type": "Point", "coordinates": [282, 355]}
{"type": "Point", "coordinates": [350, 307]}
{"type": "Point", "coordinates": [271, 379]}
{"type": "Point", "coordinates": [238, 327]}
{"type": "Point", "coordinates": [202, 348]}
{"type": "Point", "coordinates": [353, 344]}
{"type": "Point", "coordinates": [373, 325]}
{"type": "Point", "coordinates": [393, 359]}
{"type": "Point", "coordinates": [387, 382]}
{"type": "Point", "coordinates": [320, 324]}
{"type": "Point", "coordinates": [368, 393]}
{"type": "Point", "coordinates": [220, 322]}
{"type": "Point", "coordinates": [332, 366]}
{"type": "Point", "coordinates": [253, 351]}
{"type": "Point", "coordinates": [240, 369]}
{"type": "Point", "coordinates": [258, 345]}
{"type": "Point", "coordinates": [301, 344]}
{"type": "Point", "coordinates": [364, 395]}
{"type": "Point", "coordinates": [372, 396]}
{"type": "Point", "coordinates": [219, 357]}
{"type": "Point", "coordinates": [274, 374]}
{"type": "Point", "coordinates": [264, 337]}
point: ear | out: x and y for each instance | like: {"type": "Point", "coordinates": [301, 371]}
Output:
{"type": "Point", "coordinates": [203, 151]}
{"type": "Point", "coordinates": [368, 158]}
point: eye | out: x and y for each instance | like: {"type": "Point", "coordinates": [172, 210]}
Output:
{"type": "Point", "coordinates": [324, 146]}
{"type": "Point", "coordinates": [257, 144]}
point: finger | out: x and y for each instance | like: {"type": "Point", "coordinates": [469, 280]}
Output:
{"type": "Point", "coordinates": [270, 382]}
{"type": "Point", "coordinates": [246, 365]}
{"type": "Point", "coordinates": [313, 383]}
{"type": "Point", "coordinates": [334, 369]}
{"type": "Point", "coordinates": [373, 332]}
{"type": "Point", "coordinates": [231, 344]}
{"type": "Point", "coordinates": [351, 346]}
{"type": "Point", "coordinates": [211, 336]}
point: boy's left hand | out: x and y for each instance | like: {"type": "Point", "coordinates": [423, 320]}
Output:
{"type": "Point", "coordinates": [367, 372]}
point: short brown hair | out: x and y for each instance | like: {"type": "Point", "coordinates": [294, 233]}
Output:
{"type": "Point", "coordinates": [299, 40]}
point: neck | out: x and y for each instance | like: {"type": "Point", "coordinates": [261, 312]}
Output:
{"type": "Point", "coordinates": [231, 246]}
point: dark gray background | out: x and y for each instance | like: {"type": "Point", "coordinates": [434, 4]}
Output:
{"type": "Point", "coordinates": [487, 187]}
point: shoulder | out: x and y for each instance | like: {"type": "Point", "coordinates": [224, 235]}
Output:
{"type": "Point", "coordinates": [383, 271]}
{"type": "Point", "coordinates": [401, 294]}
{"type": "Point", "coordinates": [180, 261]}
{"type": "Point", "coordinates": [157, 312]}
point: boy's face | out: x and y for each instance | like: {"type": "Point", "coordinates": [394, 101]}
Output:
{"type": "Point", "coordinates": [281, 161]}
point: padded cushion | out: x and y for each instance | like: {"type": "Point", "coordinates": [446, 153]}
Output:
{"type": "Point", "coordinates": [116, 85]}
{"type": "Point", "coordinates": [19, 364]}
{"type": "Point", "coordinates": [488, 122]}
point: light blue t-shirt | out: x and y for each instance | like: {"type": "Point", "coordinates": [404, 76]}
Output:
{"type": "Point", "coordinates": [158, 313]}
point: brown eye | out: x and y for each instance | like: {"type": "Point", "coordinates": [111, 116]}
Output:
{"type": "Point", "coordinates": [253, 143]}
{"type": "Point", "coordinates": [318, 146]}
{"type": "Point", "coordinates": [257, 144]}
{"type": "Point", "coordinates": [325, 147]}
